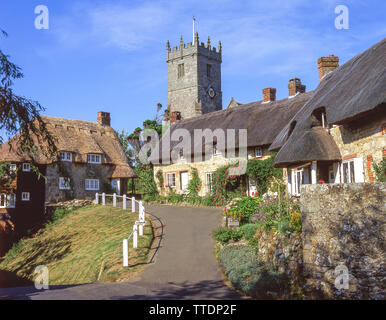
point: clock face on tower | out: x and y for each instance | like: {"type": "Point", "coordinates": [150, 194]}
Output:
{"type": "Point", "coordinates": [211, 92]}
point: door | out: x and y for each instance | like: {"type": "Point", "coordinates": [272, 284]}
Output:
{"type": "Point", "coordinates": [184, 180]}
{"type": "Point", "coordinates": [115, 185]}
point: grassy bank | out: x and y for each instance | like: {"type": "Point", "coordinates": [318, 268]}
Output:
{"type": "Point", "coordinates": [74, 246]}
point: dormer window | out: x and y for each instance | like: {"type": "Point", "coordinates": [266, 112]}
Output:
{"type": "Point", "coordinates": [94, 158]}
{"type": "Point", "coordinates": [318, 118]}
{"type": "Point", "coordinates": [66, 156]}
{"type": "Point", "coordinates": [26, 167]}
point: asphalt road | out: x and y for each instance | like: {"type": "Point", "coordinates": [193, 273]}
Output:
{"type": "Point", "coordinates": [183, 266]}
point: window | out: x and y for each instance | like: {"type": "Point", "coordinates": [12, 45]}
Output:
{"type": "Point", "coordinates": [215, 149]}
{"type": "Point", "coordinates": [352, 170]}
{"type": "Point", "coordinates": [94, 158]}
{"type": "Point", "coordinates": [319, 118]}
{"type": "Point", "coordinates": [92, 184]}
{"type": "Point", "coordinates": [258, 152]}
{"type": "Point", "coordinates": [25, 196]}
{"type": "Point", "coordinates": [181, 70]}
{"type": "Point", "coordinates": [208, 70]}
{"type": "Point", "coordinates": [171, 179]}
{"type": "Point", "coordinates": [7, 200]}
{"type": "Point", "coordinates": [64, 183]}
{"type": "Point", "coordinates": [208, 181]}
{"type": "Point", "coordinates": [12, 167]}
{"type": "Point", "coordinates": [300, 176]}
{"type": "Point", "coordinates": [26, 167]}
{"type": "Point", "coordinates": [181, 154]}
{"type": "Point", "coordinates": [66, 156]}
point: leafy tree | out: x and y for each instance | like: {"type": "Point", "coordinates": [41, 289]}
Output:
{"type": "Point", "coordinates": [19, 115]}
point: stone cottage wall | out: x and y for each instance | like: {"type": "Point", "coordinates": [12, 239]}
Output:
{"type": "Point", "coordinates": [210, 165]}
{"type": "Point", "coordinates": [366, 140]}
{"type": "Point", "coordinates": [344, 224]}
{"type": "Point", "coordinates": [78, 173]}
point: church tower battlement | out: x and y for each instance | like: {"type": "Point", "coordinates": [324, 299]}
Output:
{"type": "Point", "coordinates": [194, 78]}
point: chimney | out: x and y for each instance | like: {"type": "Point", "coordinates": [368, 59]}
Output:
{"type": "Point", "coordinates": [295, 86]}
{"type": "Point", "coordinates": [175, 116]}
{"type": "Point", "coordinates": [104, 118]}
{"type": "Point", "coordinates": [269, 94]}
{"type": "Point", "coordinates": [327, 64]}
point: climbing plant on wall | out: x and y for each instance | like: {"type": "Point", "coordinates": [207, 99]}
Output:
{"type": "Point", "coordinates": [262, 171]}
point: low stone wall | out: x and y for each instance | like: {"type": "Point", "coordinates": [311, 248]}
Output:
{"type": "Point", "coordinates": [344, 224]}
{"type": "Point", "coordinates": [68, 205]}
{"type": "Point", "coordinates": [283, 251]}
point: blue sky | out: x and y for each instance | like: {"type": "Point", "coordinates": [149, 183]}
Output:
{"type": "Point", "coordinates": [110, 55]}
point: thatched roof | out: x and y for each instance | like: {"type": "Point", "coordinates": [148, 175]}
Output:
{"type": "Point", "coordinates": [80, 138]}
{"type": "Point", "coordinates": [351, 91]}
{"type": "Point", "coordinates": [262, 120]}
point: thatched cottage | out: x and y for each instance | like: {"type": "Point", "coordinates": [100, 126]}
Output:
{"type": "Point", "coordinates": [91, 159]}
{"type": "Point", "coordinates": [263, 120]}
{"type": "Point", "coordinates": [341, 130]}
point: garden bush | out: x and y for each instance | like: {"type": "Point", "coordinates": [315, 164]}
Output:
{"type": "Point", "coordinates": [278, 214]}
{"type": "Point", "coordinates": [174, 197]}
{"type": "Point", "coordinates": [249, 273]}
{"type": "Point", "coordinates": [223, 235]}
{"type": "Point", "coordinates": [242, 208]}
{"type": "Point", "coordinates": [248, 230]}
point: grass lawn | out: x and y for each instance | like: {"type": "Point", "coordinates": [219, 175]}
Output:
{"type": "Point", "coordinates": [74, 247]}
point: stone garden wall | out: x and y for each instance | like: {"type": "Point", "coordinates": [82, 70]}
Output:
{"type": "Point", "coordinates": [344, 224]}
{"type": "Point", "coordinates": [283, 251]}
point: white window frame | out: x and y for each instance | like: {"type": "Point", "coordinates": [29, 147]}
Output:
{"type": "Point", "coordinates": [168, 174]}
{"type": "Point", "coordinates": [26, 167]}
{"type": "Point", "coordinates": [13, 167]}
{"type": "Point", "coordinates": [25, 196]}
{"type": "Point", "coordinates": [358, 174]}
{"type": "Point", "coordinates": [258, 152]}
{"type": "Point", "coordinates": [94, 158]}
{"type": "Point", "coordinates": [66, 156]}
{"type": "Point", "coordinates": [208, 181]}
{"type": "Point", "coordinates": [64, 183]}
{"type": "Point", "coordinates": [7, 200]}
{"type": "Point", "coordinates": [92, 184]}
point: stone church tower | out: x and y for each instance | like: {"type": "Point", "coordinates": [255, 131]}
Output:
{"type": "Point", "coordinates": [194, 78]}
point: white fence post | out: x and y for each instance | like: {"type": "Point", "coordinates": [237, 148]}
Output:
{"type": "Point", "coordinates": [125, 253]}
{"type": "Point", "coordinates": [114, 200]}
{"type": "Point", "coordinates": [97, 198]}
{"type": "Point", "coordinates": [124, 202]}
{"type": "Point", "coordinates": [141, 218]}
{"type": "Point", "coordinates": [103, 199]}
{"type": "Point", "coordinates": [133, 204]}
{"type": "Point", "coordinates": [135, 236]}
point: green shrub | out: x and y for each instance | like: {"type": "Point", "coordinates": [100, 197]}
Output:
{"type": "Point", "coordinates": [243, 208]}
{"type": "Point", "coordinates": [248, 273]}
{"type": "Point", "coordinates": [248, 230]}
{"type": "Point", "coordinates": [380, 170]}
{"type": "Point", "coordinates": [223, 235]}
{"type": "Point", "coordinates": [174, 197]}
{"type": "Point", "coordinates": [261, 171]}
{"type": "Point", "coordinates": [275, 214]}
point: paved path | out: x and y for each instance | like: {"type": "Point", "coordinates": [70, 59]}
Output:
{"type": "Point", "coordinates": [184, 265]}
